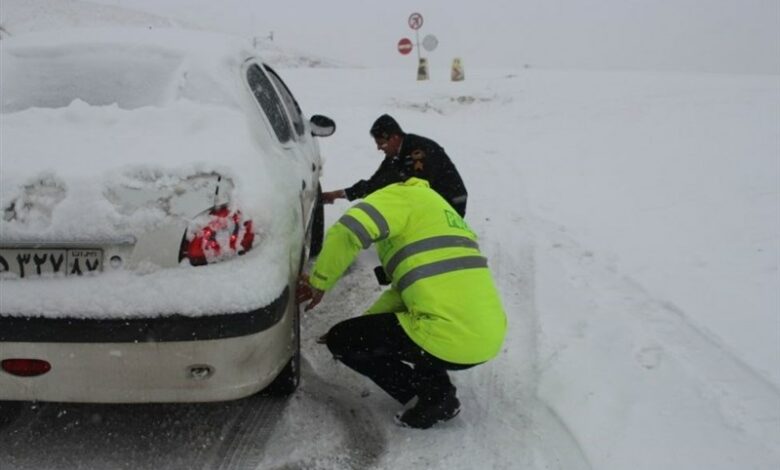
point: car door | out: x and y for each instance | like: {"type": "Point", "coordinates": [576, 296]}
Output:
{"type": "Point", "coordinates": [290, 134]}
{"type": "Point", "coordinates": [309, 147]}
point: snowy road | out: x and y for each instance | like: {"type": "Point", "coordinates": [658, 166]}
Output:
{"type": "Point", "coordinates": [338, 421]}
{"type": "Point", "coordinates": [244, 434]}
{"type": "Point", "coordinates": [135, 436]}
{"type": "Point", "coordinates": [334, 421]}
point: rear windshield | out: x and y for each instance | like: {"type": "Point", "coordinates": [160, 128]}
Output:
{"type": "Point", "coordinates": [51, 78]}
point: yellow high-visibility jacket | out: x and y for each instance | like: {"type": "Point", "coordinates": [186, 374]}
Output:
{"type": "Point", "coordinates": [442, 291]}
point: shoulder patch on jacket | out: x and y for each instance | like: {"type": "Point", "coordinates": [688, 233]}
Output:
{"type": "Point", "coordinates": [417, 158]}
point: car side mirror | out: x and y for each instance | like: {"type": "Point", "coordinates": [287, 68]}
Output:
{"type": "Point", "coordinates": [322, 126]}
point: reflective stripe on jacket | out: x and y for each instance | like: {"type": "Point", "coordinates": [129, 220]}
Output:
{"type": "Point", "coordinates": [442, 291]}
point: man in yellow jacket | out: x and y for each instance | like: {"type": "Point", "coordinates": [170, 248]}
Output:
{"type": "Point", "coordinates": [442, 312]}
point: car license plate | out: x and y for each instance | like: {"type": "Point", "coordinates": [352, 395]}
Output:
{"type": "Point", "coordinates": [36, 262]}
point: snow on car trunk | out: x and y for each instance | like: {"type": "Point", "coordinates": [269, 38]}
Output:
{"type": "Point", "coordinates": [67, 175]}
{"type": "Point", "coordinates": [132, 154]}
{"type": "Point", "coordinates": [65, 170]}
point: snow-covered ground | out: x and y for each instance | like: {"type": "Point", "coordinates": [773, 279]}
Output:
{"type": "Point", "coordinates": [632, 221]}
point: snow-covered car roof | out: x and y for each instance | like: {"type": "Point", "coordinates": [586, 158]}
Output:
{"type": "Point", "coordinates": [131, 67]}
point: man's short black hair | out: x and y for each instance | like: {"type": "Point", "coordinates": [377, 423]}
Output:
{"type": "Point", "coordinates": [385, 126]}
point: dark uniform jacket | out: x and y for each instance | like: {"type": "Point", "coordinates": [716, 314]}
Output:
{"type": "Point", "coordinates": [422, 158]}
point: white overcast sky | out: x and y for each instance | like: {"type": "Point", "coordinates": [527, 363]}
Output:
{"type": "Point", "coordinates": [740, 36]}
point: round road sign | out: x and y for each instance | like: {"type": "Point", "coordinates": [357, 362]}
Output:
{"type": "Point", "coordinates": [405, 46]}
{"type": "Point", "coordinates": [430, 42]}
{"type": "Point", "coordinates": [415, 21]}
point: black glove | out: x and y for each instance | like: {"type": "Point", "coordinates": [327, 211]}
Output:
{"type": "Point", "coordinates": [381, 276]}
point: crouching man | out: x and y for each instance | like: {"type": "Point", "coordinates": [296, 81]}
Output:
{"type": "Point", "coordinates": [441, 313]}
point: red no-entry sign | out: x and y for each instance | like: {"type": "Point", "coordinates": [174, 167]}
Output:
{"type": "Point", "coordinates": [405, 46]}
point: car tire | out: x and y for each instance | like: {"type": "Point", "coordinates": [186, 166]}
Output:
{"type": "Point", "coordinates": [288, 379]}
{"type": "Point", "coordinates": [317, 227]}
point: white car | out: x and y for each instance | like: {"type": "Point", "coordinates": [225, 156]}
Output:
{"type": "Point", "coordinates": [160, 194]}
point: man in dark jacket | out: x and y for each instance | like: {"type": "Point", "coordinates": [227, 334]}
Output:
{"type": "Point", "coordinates": [407, 155]}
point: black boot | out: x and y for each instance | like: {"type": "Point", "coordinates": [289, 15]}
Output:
{"type": "Point", "coordinates": [431, 408]}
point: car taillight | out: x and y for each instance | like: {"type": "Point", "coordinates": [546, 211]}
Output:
{"type": "Point", "coordinates": [221, 235]}
{"type": "Point", "coordinates": [25, 367]}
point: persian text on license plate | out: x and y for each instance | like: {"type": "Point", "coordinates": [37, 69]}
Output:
{"type": "Point", "coordinates": [36, 262]}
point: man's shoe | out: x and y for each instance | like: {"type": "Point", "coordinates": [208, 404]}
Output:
{"type": "Point", "coordinates": [428, 412]}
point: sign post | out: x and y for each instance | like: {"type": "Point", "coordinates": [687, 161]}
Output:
{"type": "Point", "coordinates": [415, 22]}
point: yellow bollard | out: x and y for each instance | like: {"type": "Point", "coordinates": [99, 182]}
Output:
{"type": "Point", "coordinates": [457, 74]}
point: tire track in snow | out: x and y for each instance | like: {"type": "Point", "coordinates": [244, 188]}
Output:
{"type": "Point", "coordinates": [245, 438]}
{"type": "Point", "coordinates": [348, 437]}
{"type": "Point", "coordinates": [550, 443]}
{"type": "Point", "coordinates": [137, 436]}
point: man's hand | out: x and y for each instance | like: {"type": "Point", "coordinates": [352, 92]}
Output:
{"type": "Point", "coordinates": [304, 291]}
{"type": "Point", "coordinates": [330, 196]}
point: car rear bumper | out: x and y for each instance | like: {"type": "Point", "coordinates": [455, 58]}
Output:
{"type": "Point", "coordinates": [131, 330]}
{"type": "Point", "coordinates": [152, 360]}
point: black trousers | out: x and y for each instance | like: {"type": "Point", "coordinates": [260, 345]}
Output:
{"type": "Point", "coordinates": [377, 346]}
{"type": "Point", "coordinates": [460, 208]}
